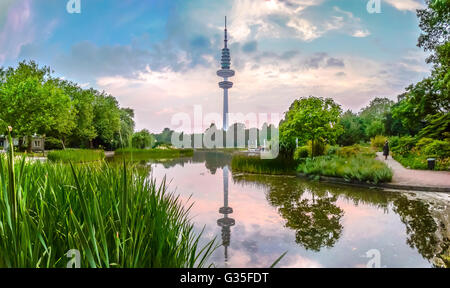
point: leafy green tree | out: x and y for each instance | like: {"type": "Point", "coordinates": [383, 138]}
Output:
{"type": "Point", "coordinates": [32, 103]}
{"type": "Point", "coordinates": [143, 140]}
{"type": "Point", "coordinates": [126, 127]}
{"type": "Point", "coordinates": [353, 129]}
{"type": "Point", "coordinates": [106, 119]}
{"type": "Point", "coordinates": [165, 137]}
{"type": "Point", "coordinates": [312, 118]}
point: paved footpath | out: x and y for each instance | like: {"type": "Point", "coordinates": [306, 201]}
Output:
{"type": "Point", "coordinates": [404, 176]}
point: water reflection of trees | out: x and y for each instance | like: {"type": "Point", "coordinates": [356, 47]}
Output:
{"type": "Point", "coordinates": [426, 233]}
{"type": "Point", "coordinates": [310, 209]}
{"type": "Point", "coordinates": [213, 160]}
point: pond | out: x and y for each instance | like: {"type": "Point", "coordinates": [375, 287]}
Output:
{"type": "Point", "coordinates": [257, 218]}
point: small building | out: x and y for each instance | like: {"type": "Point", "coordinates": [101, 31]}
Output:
{"type": "Point", "coordinates": [37, 143]}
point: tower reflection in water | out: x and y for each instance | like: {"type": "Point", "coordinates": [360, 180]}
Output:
{"type": "Point", "coordinates": [225, 222]}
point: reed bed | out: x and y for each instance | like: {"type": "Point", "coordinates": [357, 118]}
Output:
{"type": "Point", "coordinates": [360, 168]}
{"type": "Point", "coordinates": [76, 155]}
{"type": "Point", "coordinates": [256, 165]}
{"type": "Point", "coordinates": [114, 215]}
{"type": "Point", "coordinates": [155, 153]}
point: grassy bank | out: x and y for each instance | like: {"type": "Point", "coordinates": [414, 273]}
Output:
{"type": "Point", "coordinates": [115, 216]}
{"type": "Point", "coordinates": [256, 165]}
{"type": "Point", "coordinates": [360, 168]}
{"type": "Point", "coordinates": [154, 153]}
{"type": "Point", "coordinates": [76, 155]}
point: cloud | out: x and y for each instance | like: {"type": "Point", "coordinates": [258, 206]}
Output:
{"type": "Point", "coordinates": [16, 30]}
{"type": "Point", "coordinates": [250, 47]}
{"type": "Point", "coordinates": [406, 5]}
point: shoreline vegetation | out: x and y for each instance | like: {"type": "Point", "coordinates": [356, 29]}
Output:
{"type": "Point", "coordinates": [76, 155]}
{"type": "Point", "coordinates": [351, 163]}
{"type": "Point", "coordinates": [155, 153]}
{"type": "Point", "coordinates": [115, 215]}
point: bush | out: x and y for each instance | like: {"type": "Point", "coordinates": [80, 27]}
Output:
{"type": "Point", "coordinates": [422, 143]}
{"type": "Point", "coordinates": [76, 155]}
{"type": "Point", "coordinates": [437, 148]}
{"type": "Point", "coordinates": [302, 152]}
{"type": "Point", "coordinates": [333, 150]}
{"type": "Point", "coordinates": [355, 150]}
{"type": "Point", "coordinates": [404, 145]}
{"type": "Point", "coordinates": [319, 148]}
{"type": "Point", "coordinates": [53, 144]}
{"type": "Point", "coordinates": [378, 142]}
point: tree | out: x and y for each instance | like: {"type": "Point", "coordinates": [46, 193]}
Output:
{"type": "Point", "coordinates": [143, 140]}
{"type": "Point", "coordinates": [353, 129]}
{"type": "Point", "coordinates": [311, 118]}
{"type": "Point", "coordinates": [434, 22]}
{"type": "Point", "coordinates": [106, 119]}
{"type": "Point", "coordinates": [126, 127]}
{"type": "Point", "coordinates": [32, 103]}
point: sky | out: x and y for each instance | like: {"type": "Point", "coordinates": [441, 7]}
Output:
{"type": "Point", "coordinates": [160, 57]}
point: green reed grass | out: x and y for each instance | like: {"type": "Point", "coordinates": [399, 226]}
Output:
{"type": "Point", "coordinates": [156, 153]}
{"type": "Point", "coordinates": [360, 168]}
{"type": "Point", "coordinates": [256, 165]}
{"type": "Point", "coordinates": [76, 155]}
{"type": "Point", "coordinates": [114, 215]}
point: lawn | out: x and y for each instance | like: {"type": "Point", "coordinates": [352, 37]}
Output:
{"type": "Point", "coordinates": [157, 153]}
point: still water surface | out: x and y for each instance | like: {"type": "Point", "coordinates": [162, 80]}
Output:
{"type": "Point", "coordinates": [258, 218]}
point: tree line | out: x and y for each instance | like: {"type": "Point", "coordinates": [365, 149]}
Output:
{"type": "Point", "coordinates": [33, 102]}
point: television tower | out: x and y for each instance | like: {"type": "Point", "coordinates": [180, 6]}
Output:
{"type": "Point", "coordinates": [225, 73]}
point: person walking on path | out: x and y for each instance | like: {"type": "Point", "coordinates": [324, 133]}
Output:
{"type": "Point", "coordinates": [386, 150]}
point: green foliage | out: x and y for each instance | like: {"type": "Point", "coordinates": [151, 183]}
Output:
{"type": "Point", "coordinates": [114, 215]}
{"type": "Point", "coordinates": [355, 150]}
{"type": "Point", "coordinates": [52, 143]}
{"type": "Point", "coordinates": [403, 145]}
{"type": "Point", "coordinates": [302, 152]}
{"type": "Point", "coordinates": [256, 165]}
{"type": "Point", "coordinates": [437, 148]}
{"type": "Point", "coordinates": [360, 168]}
{"type": "Point", "coordinates": [353, 129]}
{"type": "Point", "coordinates": [76, 155]}
{"type": "Point", "coordinates": [32, 103]}
{"type": "Point", "coordinates": [378, 142]}
{"type": "Point", "coordinates": [156, 153]}
{"type": "Point", "coordinates": [333, 150]}
{"type": "Point", "coordinates": [375, 128]}
{"type": "Point", "coordinates": [311, 118]}
{"type": "Point", "coordinates": [143, 140]}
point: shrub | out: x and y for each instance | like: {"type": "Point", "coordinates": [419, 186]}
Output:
{"type": "Point", "coordinates": [355, 150]}
{"type": "Point", "coordinates": [302, 152]}
{"type": "Point", "coordinates": [404, 145]}
{"type": "Point", "coordinates": [437, 148]}
{"type": "Point", "coordinates": [53, 144]}
{"type": "Point", "coordinates": [378, 142]}
{"type": "Point", "coordinates": [333, 150]}
{"type": "Point", "coordinates": [422, 143]}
